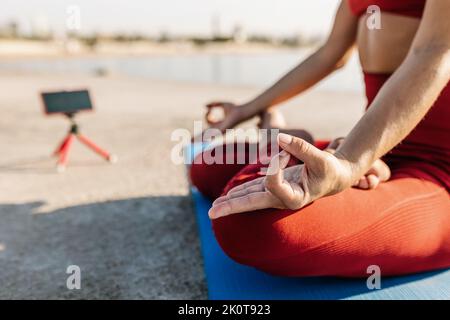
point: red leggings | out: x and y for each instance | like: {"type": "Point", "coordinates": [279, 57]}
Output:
{"type": "Point", "coordinates": [403, 226]}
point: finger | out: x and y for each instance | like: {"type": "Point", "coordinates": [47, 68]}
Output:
{"type": "Point", "coordinates": [278, 163]}
{"type": "Point", "coordinates": [381, 170]}
{"type": "Point", "coordinates": [363, 183]}
{"type": "Point", "coordinates": [210, 107]}
{"type": "Point", "coordinates": [367, 182]}
{"type": "Point", "coordinates": [373, 181]}
{"type": "Point", "coordinates": [251, 202]}
{"type": "Point", "coordinates": [214, 104]}
{"type": "Point", "coordinates": [208, 117]}
{"type": "Point", "coordinates": [231, 195]}
{"type": "Point", "coordinates": [274, 181]}
{"type": "Point", "coordinates": [246, 185]}
{"type": "Point", "coordinates": [251, 189]}
{"type": "Point", "coordinates": [301, 149]}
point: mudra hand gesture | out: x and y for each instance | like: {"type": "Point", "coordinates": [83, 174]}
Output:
{"type": "Point", "coordinates": [232, 115]}
{"type": "Point", "coordinates": [322, 174]}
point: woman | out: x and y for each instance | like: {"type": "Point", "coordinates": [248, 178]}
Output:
{"type": "Point", "coordinates": [306, 219]}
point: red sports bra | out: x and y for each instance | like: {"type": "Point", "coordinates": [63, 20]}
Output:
{"type": "Point", "coordinates": [411, 8]}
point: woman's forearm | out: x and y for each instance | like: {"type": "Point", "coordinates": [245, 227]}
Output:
{"type": "Point", "coordinates": [332, 55]}
{"type": "Point", "coordinates": [400, 105]}
{"type": "Point", "coordinates": [305, 75]}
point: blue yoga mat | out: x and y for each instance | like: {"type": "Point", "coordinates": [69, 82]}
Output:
{"type": "Point", "coordinates": [227, 279]}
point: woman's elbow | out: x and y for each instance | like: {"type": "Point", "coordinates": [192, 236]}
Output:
{"type": "Point", "coordinates": [341, 63]}
{"type": "Point", "coordinates": [336, 59]}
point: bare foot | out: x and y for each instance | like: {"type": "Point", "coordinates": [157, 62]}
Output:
{"type": "Point", "coordinates": [271, 119]}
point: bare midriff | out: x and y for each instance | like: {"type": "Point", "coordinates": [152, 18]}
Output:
{"type": "Point", "coordinates": [383, 50]}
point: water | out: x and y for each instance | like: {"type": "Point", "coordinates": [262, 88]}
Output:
{"type": "Point", "coordinates": [256, 69]}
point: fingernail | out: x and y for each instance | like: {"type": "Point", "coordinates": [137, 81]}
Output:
{"type": "Point", "coordinates": [284, 138]}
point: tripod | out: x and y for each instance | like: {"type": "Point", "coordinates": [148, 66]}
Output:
{"type": "Point", "coordinates": [63, 149]}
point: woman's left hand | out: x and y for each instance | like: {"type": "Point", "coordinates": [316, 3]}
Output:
{"type": "Point", "coordinates": [322, 174]}
{"type": "Point", "coordinates": [379, 171]}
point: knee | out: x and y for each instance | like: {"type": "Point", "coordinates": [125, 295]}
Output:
{"type": "Point", "coordinates": [278, 242]}
{"type": "Point", "coordinates": [236, 240]}
{"type": "Point", "coordinates": [255, 239]}
{"type": "Point", "coordinates": [211, 179]}
{"type": "Point", "coordinates": [200, 176]}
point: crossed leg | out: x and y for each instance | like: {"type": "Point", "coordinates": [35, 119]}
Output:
{"type": "Point", "coordinates": [403, 226]}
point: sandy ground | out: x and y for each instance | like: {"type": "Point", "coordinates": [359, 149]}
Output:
{"type": "Point", "coordinates": [130, 227]}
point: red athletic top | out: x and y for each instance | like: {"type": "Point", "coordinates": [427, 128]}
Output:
{"type": "Point", "coordinates": [412, 8]}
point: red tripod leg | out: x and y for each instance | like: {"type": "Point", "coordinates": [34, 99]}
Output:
{"type": "Point", "coordinates": [61, 145]}
{"type": "Point", "coordinates": [90, 144]}
{"type": "Point", "coordinates": [64, 153]}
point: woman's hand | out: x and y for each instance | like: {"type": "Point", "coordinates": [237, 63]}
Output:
{"type": "Point", "coordinates": [322, 174]}
{"type": "Point", "coordinates": [378, 172]}
{"type": "Point", "coordinates": [232, 115]}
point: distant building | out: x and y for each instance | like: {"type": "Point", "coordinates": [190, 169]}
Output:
{"type": "Point", "coordinates": [239, 35]}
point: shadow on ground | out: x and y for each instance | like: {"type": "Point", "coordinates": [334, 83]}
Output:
{"type": "Point", "coordinates": [42, 165]}
{"type": "Point", "coordinates": [141, 248]}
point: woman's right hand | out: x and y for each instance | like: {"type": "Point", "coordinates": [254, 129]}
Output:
{"type": "Point", "coordinates": [232, 115]}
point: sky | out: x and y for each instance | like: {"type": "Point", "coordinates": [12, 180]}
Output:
{"type": "Point", "coordinates": [177, 17]}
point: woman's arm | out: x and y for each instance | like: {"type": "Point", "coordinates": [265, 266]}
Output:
{"type": "Point", "coordinates": [330, 57]}
{"type": "Point", "coordinates": [407, 96]}
{"type": "Point", "coordinates": [399, 106]}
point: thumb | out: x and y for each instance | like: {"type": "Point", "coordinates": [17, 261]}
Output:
{"type": "Point", "coordinates": [300, 149]}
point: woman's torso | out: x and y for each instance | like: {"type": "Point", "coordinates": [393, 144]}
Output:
{"type": "Point", "coordinates": [381, 52]}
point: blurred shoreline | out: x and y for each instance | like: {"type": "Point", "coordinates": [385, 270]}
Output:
{"type": "Point", "coordinates": [218, 63]}
{"type": "Point", "coordinates": [30, 49]}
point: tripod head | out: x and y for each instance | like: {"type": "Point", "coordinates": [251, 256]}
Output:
{"type": "Point", "coordinates": [74, 125]}
{"type": "Point", "coordinates": [70, 115]}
